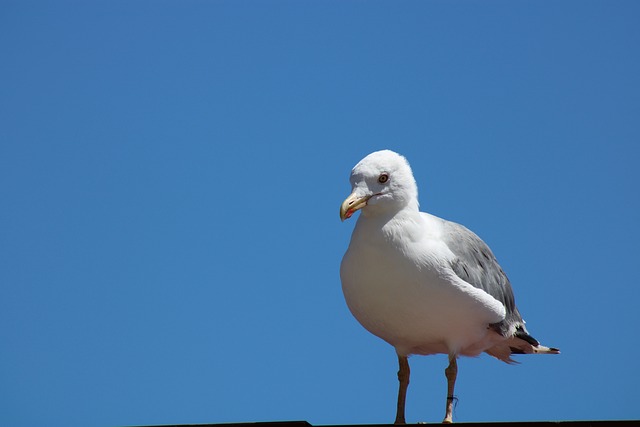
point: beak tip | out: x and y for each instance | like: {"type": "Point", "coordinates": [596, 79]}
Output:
{"type": "Point", "coordinates": [352, 204]}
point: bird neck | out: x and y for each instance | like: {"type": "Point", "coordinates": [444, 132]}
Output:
{"type": "Point", "coordinates": [378, 216]}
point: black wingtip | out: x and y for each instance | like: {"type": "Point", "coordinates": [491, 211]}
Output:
{"type": "Point", "coordinates": [523, 335]}
{"type": "Point", "coordinates": [515, 350]}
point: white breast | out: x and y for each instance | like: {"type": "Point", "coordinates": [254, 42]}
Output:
{"type": "Point", "coordinates": [401, 290]}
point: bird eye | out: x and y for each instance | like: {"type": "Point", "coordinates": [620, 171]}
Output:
{"type": "Point", "coordinates": [384, 177]}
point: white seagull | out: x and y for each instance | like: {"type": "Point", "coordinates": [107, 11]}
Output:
{"type": "Point", "coordinates": [423, 284]}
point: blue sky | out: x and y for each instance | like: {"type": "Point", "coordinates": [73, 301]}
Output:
{"type": "Point", "coordinates": [171, 174]}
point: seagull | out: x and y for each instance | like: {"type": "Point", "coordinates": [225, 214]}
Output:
{"type": "Point", "coordinates": [423, 284]}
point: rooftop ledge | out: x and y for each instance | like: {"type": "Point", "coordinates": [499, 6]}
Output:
{"type": "Point", "coordinates": [597, 423]}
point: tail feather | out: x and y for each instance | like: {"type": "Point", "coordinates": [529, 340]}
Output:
{"type": "Point", "coordinates": [532, 345]}
{"type": "Point", "coordinates": [520, 343]}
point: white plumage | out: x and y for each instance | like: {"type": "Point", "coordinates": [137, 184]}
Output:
{"type": "Point", "coordinates": [423, 284]}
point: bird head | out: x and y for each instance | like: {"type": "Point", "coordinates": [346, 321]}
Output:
{"type": "Point", "coordinates": [381, 182]}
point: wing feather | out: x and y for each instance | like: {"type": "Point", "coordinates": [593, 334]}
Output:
{"type": "Point", "coordinates": [475, 264]}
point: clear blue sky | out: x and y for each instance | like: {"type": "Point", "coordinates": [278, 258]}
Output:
{"type": "Point", "coordinates": [170, 178]}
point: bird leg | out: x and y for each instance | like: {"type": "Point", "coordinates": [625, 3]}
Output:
{"type": "Point", "coordinates": [403, 378]}
{"type": "Point", "coordinates": [451, 372]}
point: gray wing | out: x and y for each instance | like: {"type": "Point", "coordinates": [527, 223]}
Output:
{"type": "Point", "coordinates": [476, 265]}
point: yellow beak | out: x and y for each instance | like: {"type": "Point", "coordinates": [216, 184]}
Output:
{"type": "Point", "coordinates": [352, 204]}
